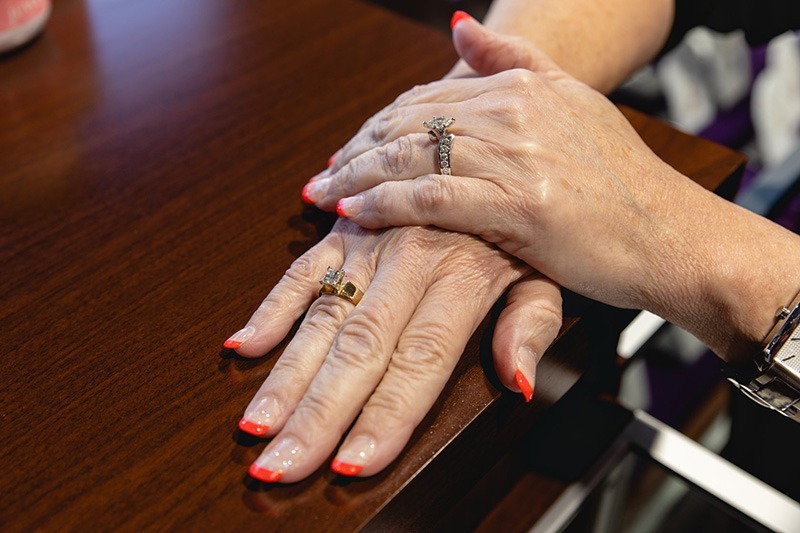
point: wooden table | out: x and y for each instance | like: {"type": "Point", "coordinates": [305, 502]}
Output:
{"type": "Point", "coordinates": [151, 159]}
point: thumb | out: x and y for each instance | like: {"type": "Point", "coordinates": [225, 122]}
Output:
{"type": "Point", "coordinates": [525, 329]}
{"type": "Point", "coordinates": [487, 52]}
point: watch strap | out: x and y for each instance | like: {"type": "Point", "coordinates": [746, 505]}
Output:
{"type": "Point", "coordinates": [765, 382]}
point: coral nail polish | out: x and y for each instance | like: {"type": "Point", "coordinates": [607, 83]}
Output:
{"type": "Point", "coordinates": [345, 469]}
{"type": "Point", "coordinates": [239, 338]}
{"type": "Point", "coordinates": [304, 195]}
{"type": "Point", "coordinates": [262, 474]}
{"type": "Point", "coordinates": [524, 385]}
{"type": "Point", "coordinates": [278, 458]}
{"type": "Point", "coordinates": [252, 428]}
{"type": "Point", "coordinates": [340, 208]}
{"type": "Point", "coordinates": [458, 16]}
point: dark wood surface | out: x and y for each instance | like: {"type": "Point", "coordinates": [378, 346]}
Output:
{"type": "Point", "coordinates": [151, 159]}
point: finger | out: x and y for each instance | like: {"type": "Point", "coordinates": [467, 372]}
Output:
{"type": "Point", "coordinates": [525, 329]}
{"type": "Point", "coordinates": [422, 101]}
{"type": "Point", "coordinates": [488, 52]}
{"type": "Point", "coordinates": [287, 301]}
{"type": "Point", "coordinates": [405, 158]}
{"type": "Point", "coordinates": [352, 369]}
{"type": "Point", "coordinates": [437, 97]}
{"type": "Point", "coordinates": [390, 125]}
{"type": "Point", "coordinates": [289, 379]}
{"type": "Point", "coordinates": [425, 357]}
{"type": "Point", "coordinates": [433, 200]}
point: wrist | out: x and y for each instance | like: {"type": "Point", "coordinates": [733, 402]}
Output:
{"type": "Point", "coordinates": [724, 273]}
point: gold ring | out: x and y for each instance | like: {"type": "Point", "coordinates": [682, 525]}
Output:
{"type": "Point", "coordinates": [333, 284]}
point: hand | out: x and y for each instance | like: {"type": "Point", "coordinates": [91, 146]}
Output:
{"type": "Point", "coordinates": [386, 360]}
{"type": "Point", "coordinates": [551, 172]}
{"type": "Point", "coordinates": [544, 166]}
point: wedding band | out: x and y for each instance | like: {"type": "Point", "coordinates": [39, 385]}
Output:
{"type": "Point", "coordinates": [438, 134]}
{"type": "Point", "coordinates": [333, 284]}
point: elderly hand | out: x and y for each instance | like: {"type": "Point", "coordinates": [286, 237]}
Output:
{"type": "Point", "coordinates": [543, 166]}
{"type": "Point", "coordinates": [386, 360]}
{"type": "Point", "coordinates": [551, 172]}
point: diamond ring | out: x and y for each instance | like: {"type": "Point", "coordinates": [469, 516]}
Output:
{"type": "Point", "coordinates": [333, 284]}
{"type": "Point", "coordinates": [438, 134]}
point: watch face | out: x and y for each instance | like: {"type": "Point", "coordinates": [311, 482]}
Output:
{"type": "Point", "coordinates": [788, 356]}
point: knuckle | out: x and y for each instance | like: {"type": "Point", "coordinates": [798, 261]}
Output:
{"type": "Point", "coordinates": [522, 79]}
{"type": "Point", "coordinates": [325, 315]}
{"type": "Point", "coordinates": [494, 235]}
{"type": "Point", "coordinates": [346, 177]}
{"type": "Point", "coordinates": [359, 342]}
{"type": "Point", "coordinates": [317, 413]}
{"type": "Point", "coordinates": [547, 313]}
{"type": "Point", "coordinates": [431, 193]}
{"type": "Point", "coordinates": [292, 372]}
{"type": "Point", "coordinates": [425, 351]}
{"type": "Point", "coordinates": [397, 156]}
{"type": "Point", "coordinates": [391, 411]}
{"type": "Point", "coordinates": [383, 126]}
{"type": "Point", "coordinates": [302, 270]}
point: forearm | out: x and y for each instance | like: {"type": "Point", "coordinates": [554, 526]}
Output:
{"type": "Point", "coordinates": [600, 43]}
{"type": "Point", "coordinates": [721, 271]}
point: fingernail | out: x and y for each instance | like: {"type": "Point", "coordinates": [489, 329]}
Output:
{"type": "Point", "coordinates": [345, 469]}
{"type": "Point", "coordinates": [524, 385]}
{"type": "Point", "coordinates": [260, 416]}
{"type": "Point", "coordinates": [347, 207]}
{"type": "Point", "coordinates": [331, 160]}
{"type": "Point", "coordinates": [262, 474]}
{"type": "Point", "coordinates": [275, 460]}
{"type": "Point", "coordinates": [353, 455]}
{"type": "Point", "coordinates": [305, 194]}
{"type": "Point", "coordinates": [526, 371]}
{"type": "Point", "coordinates": [239, 338]}
{"type": "Point", "coordinates": [340, 207]}
{"type": "Point", "coordinates": [458, 16]}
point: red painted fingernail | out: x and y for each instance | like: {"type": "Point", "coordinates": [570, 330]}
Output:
{"type": "Point", "coordinates": [238, 338]}
{"type": "Point", "coordinates": [345, 469]}
{"type": "Point", "coordinates": [340, 208]}
{"type": "Point", "coordinates": [252, 428]}
{"type": "Point", "coordinates": [458, 16]}
{"type": "Point", "coordinates": [524, 386]}
{"type": "Point", "coordinates": [304, 194]}
{"type": "Point", "coordinates": [331, 160]}
{"type": "Point", "coordinates": [262, 474]}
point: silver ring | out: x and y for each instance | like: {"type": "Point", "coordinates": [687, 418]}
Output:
{"type": "Point", "coordinates": [438, 134]}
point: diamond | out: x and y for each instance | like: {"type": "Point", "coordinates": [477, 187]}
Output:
{"type": "Point", "coordinates": [333, 277]}
{"type": "Point", "coordinates": [439, 123]}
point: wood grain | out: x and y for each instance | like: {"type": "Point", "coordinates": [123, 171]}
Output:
{"type": "Point", "coordinates": [151, 159]}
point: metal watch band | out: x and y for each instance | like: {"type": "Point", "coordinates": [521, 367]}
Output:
{"type": "Point", "coordinates": [772, 392]}
{"type": "Point", "coordinates": [769, 384]}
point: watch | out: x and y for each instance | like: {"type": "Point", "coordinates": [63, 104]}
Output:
{"type": "Point", "coordinates": [774, 379]}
